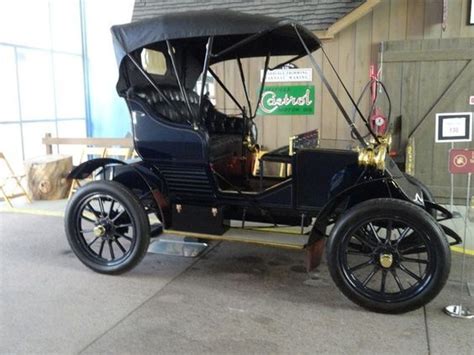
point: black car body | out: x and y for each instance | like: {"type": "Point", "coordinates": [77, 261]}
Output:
{"type": "Point", "coordinates": [194, 170]}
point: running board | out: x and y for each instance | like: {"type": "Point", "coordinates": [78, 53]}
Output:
{"type": "Point", "coordinates": [156, 230]}
{"type": "Point", "coordinates": [251, 236]}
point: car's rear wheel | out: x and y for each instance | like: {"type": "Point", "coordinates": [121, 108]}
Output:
{"type": "Point", "coordinates": [388, 255]}
{"type": "Point", "coordinates": [107, 227]}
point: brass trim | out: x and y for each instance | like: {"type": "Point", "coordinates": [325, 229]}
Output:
{"type": "Point", "coordinates": [99, 230]}
{"type": "Point", "coordinates": [290, 145]}
{"type": "Point", "coordinates": [374, 155]}
{"type": "Point", "coordinates": [386, 260]}
{"type": "Point", "coordinates": [252, 147]}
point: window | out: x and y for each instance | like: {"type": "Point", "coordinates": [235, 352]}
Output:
{"type": "Point", "coordinates": [33, 133]}
{"type": "Point", "coordinates": [69, 86]}
{"type": "Point", "coordinates": [35, 79]}
{"type": "Point", "coordinates": [154, 62]}
{"type": "Point", "coordinates": [65, 26]}
{"type": "Point", "coordinates": [25, 24]}
{"type": "Point", "coordinates": [41, 76]}
{"type": "Point", "coordinates": [8, 88]}
{"type": "Point", "coordinates": [10, 140]}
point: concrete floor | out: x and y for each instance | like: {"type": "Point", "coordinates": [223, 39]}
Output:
{"type": "Point", "coordinates": [234, 299]}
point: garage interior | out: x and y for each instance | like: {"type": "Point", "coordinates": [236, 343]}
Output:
{"type": "Point", "coordinates": [61, 108]}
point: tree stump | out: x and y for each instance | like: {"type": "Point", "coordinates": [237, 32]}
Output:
{"type": "Point", "coordinates": [46, 177]}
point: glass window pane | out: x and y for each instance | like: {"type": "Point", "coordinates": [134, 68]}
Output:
{"type": "Point", "coordinates": [25, 23]}
{"type": "Point", "coordinates": [72, 129]}
{"type": "Point", "coordinates": [36, 84]}
{"type": "Point", "coordinates": [154, 62]}
{"type": "Point", "coordinates": [8, 86]}
{"type": "Point", "coordinates": [33, 133]}
{"type": "Point", "coordinates": [10, 145]}
{"type": "Point", "coordinates": [69, 82]}
{"type": "Point", "coordinates": [66, 25]}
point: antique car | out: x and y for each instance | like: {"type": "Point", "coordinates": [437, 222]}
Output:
{"type": "Point", "coordinates": [386, 249]}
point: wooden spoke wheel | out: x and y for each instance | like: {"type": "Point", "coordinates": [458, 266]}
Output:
{"type": "Point", "coordinates": [107, 227]}
{"type": "Point", "coordinates": [388, 255]}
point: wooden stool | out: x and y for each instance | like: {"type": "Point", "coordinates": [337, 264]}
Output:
{"type": "Point", "coordinates": [46, 176]}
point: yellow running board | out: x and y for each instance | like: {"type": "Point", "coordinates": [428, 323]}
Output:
{"type": "Point", "coordinates": [460, 250]}
{"type": "Point", "coordinates": [250, 236]}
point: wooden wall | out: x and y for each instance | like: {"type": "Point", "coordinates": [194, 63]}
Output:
{"type": "Point", "coordinates": [351, 51]}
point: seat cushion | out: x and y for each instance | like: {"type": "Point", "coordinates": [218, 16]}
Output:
{"type": "Point", "coordinates": [222, 145]}
{"type": "Point", "coordinates": [225, 133]}
{"type": "Point", "coordinates": [178, 112]}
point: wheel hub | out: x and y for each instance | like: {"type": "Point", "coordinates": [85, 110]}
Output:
{"type": "Point", "coordinates": [386, 260]}
{"type": "Point", "coordinates": [105, 229]}
{"type": "Point", "coordinates": [99, 231]}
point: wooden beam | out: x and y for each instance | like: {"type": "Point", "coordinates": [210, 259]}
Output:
{"type": "Point", "coordinates": [100, 142]}
{"type": "Point", "coordinates": [351, 17]}
{"type": "Point", "coordinates": [323, 35]}
{"type": "Point", "coordinates": [434, 55]}
{"type": "Point", "coordinates": [347, 20]}
{"type": "Point", "coordinates": [49, 147]}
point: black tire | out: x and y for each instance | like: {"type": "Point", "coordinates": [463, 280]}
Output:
{"type": "Point", "coordinates": [123, 223]}
{"type": "Point", "coordinates": [427, 194]}
{"type": "Point", "coordinates": [371, 269]}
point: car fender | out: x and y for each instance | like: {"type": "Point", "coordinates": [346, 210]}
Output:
{"type": "Point", "coordinates": [83, 170]}
{"type": "Point", "coordinates": [324, 216]}
{"type": "Point", "coordinates": [138, 177]}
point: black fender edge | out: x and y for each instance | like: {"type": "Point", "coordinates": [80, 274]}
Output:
{"type": "Point", "coordinates": [452, 234]}
{"type": "Point", "coordinates": [83, 170]}
{"type": "Point", "coordinates": [446, 214]}
{"type": "Point", "coordinates": [318, 231]}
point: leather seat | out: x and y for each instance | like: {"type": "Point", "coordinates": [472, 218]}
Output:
{"type": "Point", "coordinates": [225, 133]}
{"type": "Point", "coordinates": [178, 111]}
{"type": "Point", "coordinates": [223, 145]}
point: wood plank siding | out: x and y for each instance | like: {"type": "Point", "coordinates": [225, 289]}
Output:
{"type": "Point", "coordinates": [434, 76]}
{"type": "Point", "coordinates": [352, 51]}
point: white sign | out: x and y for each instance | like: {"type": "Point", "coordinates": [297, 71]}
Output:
{"type": "Point", "coordinates": [453, 127]}
{"type": "Point", "coordinates": [287, 75]}
{"type": "Point", "coordinates": [471, 100]}
{"type": "Point", "coordinates": [471, 16]}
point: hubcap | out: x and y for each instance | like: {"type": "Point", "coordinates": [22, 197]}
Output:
{"type": "Point", "coordinates": [386, 260]}
{"type": "Point", "coordinates": [99, 230]}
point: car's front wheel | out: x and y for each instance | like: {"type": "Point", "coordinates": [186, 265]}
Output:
{"type": "Point", "coordinates": [388, 255]}
{"type": "Point", "coordinates": [107, 227]}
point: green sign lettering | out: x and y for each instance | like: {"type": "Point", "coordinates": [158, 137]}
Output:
{"type": "Point", "coordinates": [287, 100]}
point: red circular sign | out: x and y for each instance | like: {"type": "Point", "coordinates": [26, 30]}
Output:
{"type": "Point", "coordinates": [460, 160]}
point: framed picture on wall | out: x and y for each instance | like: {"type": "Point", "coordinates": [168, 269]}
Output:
{"type": "Point", "coordinates": [470, 20]}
